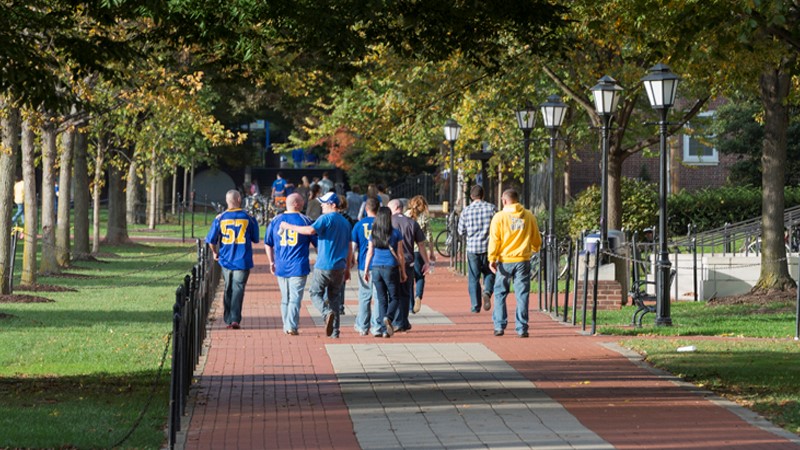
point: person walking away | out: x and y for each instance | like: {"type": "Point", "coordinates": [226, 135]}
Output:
{"type": "Point", "coordinates": [19, 200]}
{"type": "Point", "coordinates": [287, 256]}
{"type": "Point", "coordinates": [513, 238]}
{"type": "Point", "coordinates": [325, 184]}
{"type": "Point", "coordinates": [231, 237]}
{"type": "Point", "coordinates": [332, 268]}
{"type": "Point", "coordinates": [304, 189]}
{"type": "Point", "coordinates": [386, 264]}
{"type": "Point", "coordinates": [383, 195]}
{"type": "Point", "coordinates": [278, 186]}
{"type": "Point", "coordinates": [354, 201]}
{"type": "Point", "coordinates": [314, 207]}
{"type": "Point", "coordinates": [412, 234]}
{"type": "Point", "coordinates": [418, 211]}
{"type": "Point", "coordinates": [372, 192]}
{"type": "Point", "coordinates": [342, 209]}
{"type": "Point", "coordinates": [474, 224]}
{"type": "Point", "coordinates": [360, 241]}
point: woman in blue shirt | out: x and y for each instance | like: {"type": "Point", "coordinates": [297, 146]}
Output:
{"type": "Point", "coordinates": [384, 250]}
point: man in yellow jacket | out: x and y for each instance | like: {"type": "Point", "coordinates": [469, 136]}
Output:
{"type": "Point", "coordinates": [513, 238]}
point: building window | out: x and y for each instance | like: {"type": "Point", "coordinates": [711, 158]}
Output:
{"type": "Point", "coordinates": [697, 147]}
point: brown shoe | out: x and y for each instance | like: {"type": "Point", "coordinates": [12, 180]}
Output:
{"type": "Point", "coordinates": [329, 324]}
{"type": "Point", "coordinates": [487, 301]}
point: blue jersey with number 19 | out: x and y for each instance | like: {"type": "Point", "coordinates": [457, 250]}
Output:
{"type": "Point", "coordinates": [234, 231]}
{"type": "Point", "coordinates": [291, 247]}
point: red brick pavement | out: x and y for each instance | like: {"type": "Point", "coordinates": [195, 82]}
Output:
{"type": "Point", "coordinates": [262, 389]}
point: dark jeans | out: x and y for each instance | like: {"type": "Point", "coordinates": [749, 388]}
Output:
{"type": "Point", "coordinates": [235, 282]}
{"type": "Point", "coordinates": [418, 277]}
{"type": "Point", "coordinates": [324, 292]}
{"type": "Point", "coordinates": [385, 282]}
{"type": "Point", "coordinates": [404, 293]}
{"type": "Point", "coordinates": [478, 265]}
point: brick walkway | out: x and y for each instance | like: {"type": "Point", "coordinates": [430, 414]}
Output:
{"type": "Point", "coordinates": [448, 383]}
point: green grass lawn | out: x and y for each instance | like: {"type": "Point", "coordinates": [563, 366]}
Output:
{"type": "Point", "coordinates": [744, 352]}
{"type": "Point", "coordinates": [78, 371]}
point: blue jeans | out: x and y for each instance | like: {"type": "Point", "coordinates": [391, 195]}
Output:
{"type": "Point", "coordinates": [418, 277]}
{"type": "Point", "coordinates": [386, 281]}
{"type": "Point", "coordinates": [235, 282]}
{"type": "Point", "coordinates": [521, 273]}
{"type": "Point", "coordinates": [364, 301]}
{"type": "Point", "coordinates": [404, 293]}
{"type": "Point", "coordinates": [324, 292]}
{"type": "Point", "coordinates": [478, 265]}
{"type": "Point", "coordinates": [291, 296]}
{"type": "Point", "coordinates": [20, 214]}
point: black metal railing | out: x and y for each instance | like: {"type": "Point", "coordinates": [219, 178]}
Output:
{"type": "Point", "coordinates": [193, 301]}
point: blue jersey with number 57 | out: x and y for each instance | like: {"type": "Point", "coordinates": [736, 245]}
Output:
{"type": "Point", "coordinates": [234, 231]}
{"type": "Point", "coordinates": [291, 247]}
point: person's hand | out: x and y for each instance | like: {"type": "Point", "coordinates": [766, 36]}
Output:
{"type": "Point", "coordinates": [272, 268]}
{"type": "Point", "coordinates": [284, 226]}
{"type": "Point", "coordinates": [216, 256]}
{"type": "Point", "coordinates": [493, 266]}
{"type": "Point", "coordinates": [347, 275]}
{"type": "Point", "coordinates": [366, 276]}
{"type": "Point", "coordinates": [426, 268]}
{"type": "Point", "coordinates": [403, 276]}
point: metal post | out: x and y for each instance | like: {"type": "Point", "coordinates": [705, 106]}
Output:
{"type": "Point", "coordinates": [604, 185]}
{"type": "Point", "coordinates": [578, 245]}
{"type": "Point", "coordinates": [527, 169]}
{"type": "Point", "coordinates": [694, 265]}
{"type": "Point", "coordinates": [568, 279]}
{"type": "Point", "coordinates": [452, 177]}
{"type": "Point", "coordinates": [594, 294]}
{"type": "Point", "coordinates": [585, 286]}
{"type": "Point", "coordinates": [552, 245]}
{"type": "Point", "coordinates": [662, 276]}
{"type": "Point", "coordinates": [797, 310]}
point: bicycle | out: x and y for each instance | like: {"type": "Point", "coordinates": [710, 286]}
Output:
{"type": "Point", "coordinates": [446, 243]}
{"type": "Point", "coordinates": [563, 258]}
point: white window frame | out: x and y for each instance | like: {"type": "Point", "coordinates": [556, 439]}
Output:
{"type": "Point", "coordinates": [695, 160]}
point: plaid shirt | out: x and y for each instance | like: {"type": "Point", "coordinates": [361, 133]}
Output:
{"type": "Point", "coordinates": [474, 223]}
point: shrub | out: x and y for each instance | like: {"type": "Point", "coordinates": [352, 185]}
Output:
{"type": "Point", "coordinates": [639, 207]}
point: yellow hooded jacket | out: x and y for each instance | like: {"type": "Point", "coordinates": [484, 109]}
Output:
{"type": "Point", "coordinates": [513, 235]}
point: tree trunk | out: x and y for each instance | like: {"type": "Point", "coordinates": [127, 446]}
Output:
{"type": "Point", "coordinates": [80, 170]}
{"type": "Point", "coordinates": [174, 205]}
{"type": "Point", "coordinates": [132, 194]}
{"type": "Point", "coordinates": [117, 232]}
{"type": "Point", "coordinates": [615, 160]}
{"type": "Point", "coordinates": [29, 270]}
{"type": "Point", "coordinates": [10, 124]}
{"type": "Point", "coordinates": [152, 194]}
{"type": "Point", "coordinates": [65, 196]}
{"type": "Point", "coordinates": [774, 85]}
{"type": "Point", "coordinates": [97, 188]}
{"type": "Point", "coordinates": [48, 264]}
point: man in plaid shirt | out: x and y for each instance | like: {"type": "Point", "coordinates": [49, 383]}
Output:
{"type": "Point", "coordinates": [474, 223]}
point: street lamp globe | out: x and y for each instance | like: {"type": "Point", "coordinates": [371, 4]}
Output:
{"type": "Point", "coordinates": [661, 85]}
{"type": "Point", "coordinates": [606, 95]}
{"type": "Point", "coordinates": [553, 112]}
{"type": "Point", "coordinates": [451, 130]}
{"type": "Point", "coordinates": [526, 117]}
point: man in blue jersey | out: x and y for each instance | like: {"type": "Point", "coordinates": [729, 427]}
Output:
{"type": "Point", "coordinates": [334, 254]}
{"type": "Point", "coordinates": [231, 237]}
{"type": "Point", "coordinates": [360, 238]}
{"type": "Point", "coordinates": [287, 255]}
{"type": "Point", "coordinates": [278, 186]}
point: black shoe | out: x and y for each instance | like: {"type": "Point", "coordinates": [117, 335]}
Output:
{"type": "Point", "coordinates": [329, 324]}
{"type": "Point", "coordinates": [524, 334]}
{"type": "Point", "coordinates": [474, 311]}
{"type": "Point", "coordinates": [499, 332]}
{"type": "Point", "coordinates": [487, 301]}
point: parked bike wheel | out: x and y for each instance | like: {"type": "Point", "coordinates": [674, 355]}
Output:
{"type": "Point", "coordinates": [444, 244]}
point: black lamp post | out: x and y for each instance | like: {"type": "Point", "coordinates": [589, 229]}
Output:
{"type": "Point", "coordinates": [451, 132]}
{"type": "Point", "coordinates": [606, 97]}
{"type": "Point", "coordinates": [553, 113]}
{"type": "Point", "coordinates": [661, 85]}
{"type": "Point", "coordinates": [526, 119]}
